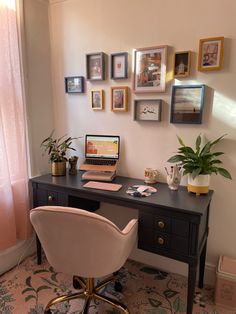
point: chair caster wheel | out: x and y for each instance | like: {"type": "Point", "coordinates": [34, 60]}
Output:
{"type": "Point", "coordinates": [48, 312]}
{"type": "Point", "coordinates": [76, 283]}
{"type": "Point", "coordinates": [118, 286]}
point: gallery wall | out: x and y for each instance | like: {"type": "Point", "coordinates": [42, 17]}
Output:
{"type": "Point", "coordinates": [78, 27]}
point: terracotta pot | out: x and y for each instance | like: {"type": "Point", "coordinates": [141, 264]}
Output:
{"type": "Point", "coordinates": [58, 168]}
{"type": "Point", "coordinates": [199, 185]}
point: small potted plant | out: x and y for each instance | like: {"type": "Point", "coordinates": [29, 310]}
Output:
{"type": "Point", "coordinates": [57, 149]}
{"type": "Point", "coordinates": [199, 163]}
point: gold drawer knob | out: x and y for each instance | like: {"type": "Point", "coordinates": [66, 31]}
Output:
{"type": "Point", "coordinates": [50, 198]}
{"type": "Point", "coordinates": [160, 240]}
{"type": "Point", "coordinates": [161, 224]}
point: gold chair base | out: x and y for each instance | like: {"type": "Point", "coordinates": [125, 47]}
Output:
{"type": "Point", "coordinates": [89, 292]}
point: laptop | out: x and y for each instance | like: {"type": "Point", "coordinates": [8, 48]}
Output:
{"type": "Point", "coordinates": [101, 153]}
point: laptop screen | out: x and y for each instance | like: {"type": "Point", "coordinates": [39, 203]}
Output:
{"type": "Point", "coordinates": [102, 146]}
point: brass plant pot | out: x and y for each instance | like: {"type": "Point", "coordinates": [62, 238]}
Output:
{"type": "Point", "coordinates": [58, 168]}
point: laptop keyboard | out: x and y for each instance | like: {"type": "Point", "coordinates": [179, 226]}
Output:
{"type": "Point", "coordinates": [102, 162]}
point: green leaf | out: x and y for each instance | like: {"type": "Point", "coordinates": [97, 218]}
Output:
{"type": "Point", "coordinates": [224, 173]}
{"type": "Point", "coordinates": [179, 306]}
{"type": "Point", "coordinates": [218, 139]}
{"type": "Point", "coordinates": [43, 288]}
{"type": "Point", "coordinates": [198, 143]}
{"type": "Point", "coordinates": [28, 281]}
{"type": "Point", "coordinates": [180, 141]}
{"type": "Point", "coordinates": [176, 158]}
{"type": "Point", "coordinates": [196, 172]}
{"type": "Point", "coordinates": [29, 297]}
{"type": "Point", "coordinates": [170, 293]}
{"type": "Point", "coordinates": [27, 290]}
{"type": "Point", "coordinates": [154, 302]}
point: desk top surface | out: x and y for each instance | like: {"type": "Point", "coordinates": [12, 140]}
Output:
{"type": "Point", "coordinates": [164, 197]}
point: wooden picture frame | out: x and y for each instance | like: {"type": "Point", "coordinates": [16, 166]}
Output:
{"type": "Point", "coordinates": [187, 103]}
{"type": "Point", "coordinates": [95, 66]}
{"type": "Point", "coordinates": [74, 84]}
{"type": "Point", "coordinates": [119, 98]}
{"type": "Point", "coordinates": [149, 69]}
{"type": "Point", "coordinates": [97, 99]}
{"type": "Point", "coordinates": [147, 109]}
{"type": "Point", "coordinates": [182, 63]}
{"type": "Point", "coordinates": [210, 54]}
{"type": "Point", "coordinates": [119, 65]}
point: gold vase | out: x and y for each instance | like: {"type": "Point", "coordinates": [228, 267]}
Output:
{"type": "Point", "coordinates": [58, 168]}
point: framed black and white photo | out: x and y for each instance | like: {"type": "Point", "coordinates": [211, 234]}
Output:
{"type": "Point", "coordinates": [95, 66]}
{"type": "Point", "coordinates": [119, 65]}
{"type": "Point", "coordinates": [182, 64]}
{"type": "Point", "coordinates": [187, 103]}
{"type": "Point", "coordinates": [74, 84]}
{"type": "Point", "coordinates": [147, 109]}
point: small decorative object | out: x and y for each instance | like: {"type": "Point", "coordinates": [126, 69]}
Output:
{"type": "Point", "coordinates": [56, 149]}
{"type": "Point", "coordinates": [74, 84]}
{"type": "Point", "coordinates": [210, 54]}
{"type": "Point", "coordinates": [119, 98]}
{"type": "Point", "coordinates": [199, 163]}
{"type": "Point", "coordinates": [187, 103]}
{"type": "Point", "coordinates": [150, 69]}
{"type": "Point", "coordinates": [150, 175]}
{"type": "Point", "coordinates": [182, 64]}
{"type": "Point", "coordinates": [119, 65]}
{"type": "Point", "coordinates": [147, 109]}
{"type": "Point", "coordinates": [173, 177]}
{"type": "Point", "coordinates": [95, 65]}
{"type": "Point", "coordinates": [141, 190]}
{"type": "Point", "coordinates": [97, 99]}
{"type": "Point", "coordinates": [73, 162]}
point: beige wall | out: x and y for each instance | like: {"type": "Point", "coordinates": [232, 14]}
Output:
{"type": "Point", "coordinates": [78, 27]}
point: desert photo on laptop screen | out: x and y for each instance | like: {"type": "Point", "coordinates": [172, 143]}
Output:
{"type": "Point", "coordinates": [98, 146]}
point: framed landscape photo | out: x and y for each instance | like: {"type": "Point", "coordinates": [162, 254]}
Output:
{"type": "Point", "coordinates": [95, 66]}
{"type": "Point", "coordinates": [149, 69]}
{"type": "Point", "coordinates": [74, 84]}
{"type": "Point", "coordinates": [119, 98]}
{"type": "Point", "coordinates": [187, 103]}
{"type": "Point", "coordinates": [147, 109]}
{"type": "Point", "coordinates": [182, 64]}
{"type": "Point", "coordinates": [210, 54]}
{"type": "Point", "coordinates": [97, 102]}
{"type": "Point", "coordinates": [119, 65]}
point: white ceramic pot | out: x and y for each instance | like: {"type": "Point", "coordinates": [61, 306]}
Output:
{"type": "Point", "coordinates": [199, 185]}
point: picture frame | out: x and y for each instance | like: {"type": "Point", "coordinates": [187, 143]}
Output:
{"type": "Point", "coordinates": [187, 103]}
{"type": "Point", "coordinates": [95, 66]}
{"type": "Point", "coordinates": [119, 65]}
{"type": "Point", "coordinates": [210, 54]}
{"type": "Point", "coordinates": [149, 69]}
{"type": "Point", "coordinates": [119, 98]}
{"type": "Point", "coordinates": [147, 109]}
{"type": "Point", "coordinates": [97, 99]}
{"type": "Point", "coordinates": [74, 84]}
{"type": "Point", "coordinates": [182, 61]}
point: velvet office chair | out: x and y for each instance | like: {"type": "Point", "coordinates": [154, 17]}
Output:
{"type": "Point", "coordinates": [85, 244]}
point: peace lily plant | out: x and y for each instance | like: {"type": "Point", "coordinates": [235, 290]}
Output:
{"type": "Point", "coordinates": [199, 163]}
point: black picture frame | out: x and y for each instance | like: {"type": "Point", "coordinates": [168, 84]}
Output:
{"type": "Point", "coordinates": [119, 65]}
{"type": "Point", "coordinates": [95, 66]}
{"type": "Point", "coordinates": [147, 109]}
{"type": "Point", "coordinates": [74, 84]}
{"type": "Point", "coordinates": [187, 102]}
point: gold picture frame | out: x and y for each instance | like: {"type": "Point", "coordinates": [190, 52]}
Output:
{"type": "Point", "coordinates": [210, 54]}
{"type": "Point", "coordinates": [182, 62]}
{"type": "Point", "coordinates": [119, 98]}
{"type": "Point", "coordinates": [97, 99]}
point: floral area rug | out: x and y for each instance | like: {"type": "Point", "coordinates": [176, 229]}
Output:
{"type": "Point", "coordinates": [26, 289]}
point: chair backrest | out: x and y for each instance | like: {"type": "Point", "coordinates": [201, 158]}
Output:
{"type": "Point", "coordinates": [82, 243]}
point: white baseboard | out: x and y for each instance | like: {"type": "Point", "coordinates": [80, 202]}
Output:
{"type": "Point", "coordinates": [12, 256]}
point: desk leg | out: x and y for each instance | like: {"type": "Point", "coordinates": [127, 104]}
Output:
{"type": "Point", "coordinates": [192, 270]}
{"type": "Point", "coordinates": [39, 251]}
{"type": "Point", "coordinates": [202, 266]}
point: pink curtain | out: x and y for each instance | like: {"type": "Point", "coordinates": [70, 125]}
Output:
{"type": "Point", "coordinates": [14, 200]}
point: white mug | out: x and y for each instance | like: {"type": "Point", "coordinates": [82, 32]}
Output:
{"type": "Point", "coordinates": [150, 175]}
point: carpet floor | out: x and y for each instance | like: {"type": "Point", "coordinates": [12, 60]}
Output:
{"type": "Point", "coordinates": [27, 288]}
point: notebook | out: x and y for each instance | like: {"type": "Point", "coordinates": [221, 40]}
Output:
{"type": "Point", "coordinates": [102, 186]}
{"type": "Point", "coordinates": [101, 153]}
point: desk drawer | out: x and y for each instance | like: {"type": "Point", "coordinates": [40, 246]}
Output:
{"type": "Point", "coordinates": [46, 197]}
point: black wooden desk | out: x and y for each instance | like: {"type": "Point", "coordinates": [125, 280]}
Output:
{"type": "Point", "coordinates": [171, 223]}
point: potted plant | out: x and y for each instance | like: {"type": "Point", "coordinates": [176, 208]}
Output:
{"type": "Point", "coordinates": [199, 163]}
{"type": "Point", "coordinates": [57, 149]}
